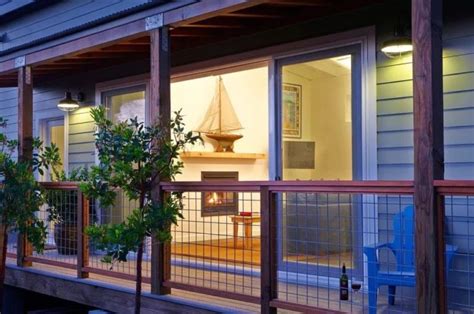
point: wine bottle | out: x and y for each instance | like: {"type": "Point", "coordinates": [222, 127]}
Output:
{"type": "Point", "coordinates": [344, 285]}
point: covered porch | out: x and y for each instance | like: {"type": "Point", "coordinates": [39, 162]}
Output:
{"type": "Point", "coordinates": [283, 243]}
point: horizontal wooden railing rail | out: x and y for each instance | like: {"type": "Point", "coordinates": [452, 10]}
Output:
{"type": "Point", "coordinates": [356, 187]}
{"type": "Point", "coordinates": [268, 191]}
{"type": "Point", "coordinates": [455, 187]}
{"type": "Point", "coordinates": [63, 185]}
{"type": "Point", "coordinates": [339, 186]}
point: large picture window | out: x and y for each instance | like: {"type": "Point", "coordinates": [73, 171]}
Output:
{"type": "Point", "coordinates": [126, 103]}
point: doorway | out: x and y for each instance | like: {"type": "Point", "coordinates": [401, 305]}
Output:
{"type": "Point", "coordinates": [53, 133]}
{"type": "Point", "coordinates": [319, 138]}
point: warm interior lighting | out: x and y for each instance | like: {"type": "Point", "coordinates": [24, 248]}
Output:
{"type": "Point", "coordinates": [67, 103]}
{"type": "Point", "coordinates": [397, 47]}
{"type": "Point", "coordinates": [344, 61]}
{"type": "Point", "coordinates": [214, 199]}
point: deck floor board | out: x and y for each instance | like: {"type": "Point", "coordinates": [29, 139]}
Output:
{"type": "Point", "coordinates": [300, 293]}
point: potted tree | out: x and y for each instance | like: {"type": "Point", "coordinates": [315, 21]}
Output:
{"type": "Point", "coordinates": [21, 196]}
{"type": "Point", "coordinates": [133, 158]}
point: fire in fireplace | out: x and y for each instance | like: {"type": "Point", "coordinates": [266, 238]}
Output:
{"type": "Point", "coordinates": [219, 203]}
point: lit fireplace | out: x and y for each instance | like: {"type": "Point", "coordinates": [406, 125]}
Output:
{"type": "Point", "coordinates": [219, 203]}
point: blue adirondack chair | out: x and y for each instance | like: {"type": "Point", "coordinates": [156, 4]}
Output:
{"type": "Point", "coordinates": [403, 249]}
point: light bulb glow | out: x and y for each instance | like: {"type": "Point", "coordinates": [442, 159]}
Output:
{"type": "Point", "coordinates": [68, 107]}
{"type": "Point", "coordinates": [397, 47]}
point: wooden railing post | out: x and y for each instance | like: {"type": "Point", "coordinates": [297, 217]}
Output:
{"type": "Point", "coordinates": [160, 108]}
{"type": "Point", "coordinates": [82, 239]}
{"type": "Point", "coordinates": [25, 143]}
{"type": "Point", "coordinates": [428, 155]}
{"type": "Point", "coordinates": [269, 259]}
{"type": "Point", "coordinates": [160, 261]}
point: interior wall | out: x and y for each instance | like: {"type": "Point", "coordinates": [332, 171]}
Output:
{"type": "Point", "coordinates": [248, 92]}
{"type": "Point", "coordinates": [325, 121]}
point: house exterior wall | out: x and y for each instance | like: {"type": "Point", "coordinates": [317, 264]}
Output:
{"type": "Point", "coordinates": [395, 110]}
{"type": "Point", "coordinates": [395, 142]}
{"type": "Point", "coordinates": [394, 124]}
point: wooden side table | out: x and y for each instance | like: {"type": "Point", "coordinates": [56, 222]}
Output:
{"type": "Point", "coordinates": [247, 221]}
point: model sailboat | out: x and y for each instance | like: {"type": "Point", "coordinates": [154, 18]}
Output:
{"type": "Point", "coordinates": [220, 120]}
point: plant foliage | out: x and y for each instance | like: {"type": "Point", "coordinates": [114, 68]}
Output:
{"type": "Point", "coordinates": [21, 196]}
{"type": "Point", "coordinates": [134, 158]}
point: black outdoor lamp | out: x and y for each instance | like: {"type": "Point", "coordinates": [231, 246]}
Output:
{"type": "Point", "coordinates": [399, 45]}
{"type": "Point", "coordinates": [68, 104]}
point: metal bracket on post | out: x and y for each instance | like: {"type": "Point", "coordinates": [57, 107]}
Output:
{"type": "Point", "coordinates": [20, 62]}
{"type": "Point", "coordinates": [154, 22]}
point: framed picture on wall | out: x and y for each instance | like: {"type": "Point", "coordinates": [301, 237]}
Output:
{"type": "Point", "coordinates": [292, 109]}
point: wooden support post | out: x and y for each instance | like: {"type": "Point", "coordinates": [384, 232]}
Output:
{"type": "Point", "coordinates": [82, 239]}
{"type": "Point", "coordinates": [160, 76]}
{"type": "Point", "coordinates": [429, 155]}
{"type": "Point", "coordinates": [268, 256]}
{"type": "Point", "coordinates": [160, 108]}
{"type": "Point", "coordinates": [25, 142]}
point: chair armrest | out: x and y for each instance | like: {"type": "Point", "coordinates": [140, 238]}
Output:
{"type": "Point", "coordinates": [371, 250]}
{"type": "Point", "coordinates": [377, 246]}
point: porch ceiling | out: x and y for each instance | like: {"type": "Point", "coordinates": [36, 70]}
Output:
{"type": "Point", "coordinates": [256, 17]}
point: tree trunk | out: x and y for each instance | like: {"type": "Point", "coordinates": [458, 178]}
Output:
{"type": "Point", "coordinates": [3, 257]}
{"type": "Point", "coordinates": [138, 289]}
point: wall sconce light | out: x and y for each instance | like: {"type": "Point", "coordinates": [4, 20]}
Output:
{"type": "Point", "coordinates": [397, 47]}
{"type": "Point", "coordinates": [68, 104]}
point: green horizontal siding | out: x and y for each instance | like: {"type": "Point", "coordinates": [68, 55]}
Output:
{"type": "Point", "coordinates": [395, 112]}
{"type": "Point", "coordinates": [81, 139]}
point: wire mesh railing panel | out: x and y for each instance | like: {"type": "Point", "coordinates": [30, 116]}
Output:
{"type": "Point", "coordinates": [459, 238]}
{"type": "Point", "coordinates": [349, 252]}
{"type": "Point", "coordinates": [61, 242]}
{"type": "Point", "coordinates": [217, 244]}
{"type": "Point", "coordinates": [328, 255]}
{"type": "Point", "coordinates": [12, 242]}
{"type": "Point", "coordinates": [116, 214]}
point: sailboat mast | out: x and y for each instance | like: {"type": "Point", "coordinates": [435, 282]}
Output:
{"type": "Point", "coordinates": [220, 106]}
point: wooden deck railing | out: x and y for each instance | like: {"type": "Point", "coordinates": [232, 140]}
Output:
{"type": "Point", "coordinates": [268, 194]}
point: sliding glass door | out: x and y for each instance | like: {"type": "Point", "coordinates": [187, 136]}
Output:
{"type": "Point", "coordinates": [318, 97]}
{"type": "Point", "coordinates": [123, 104]}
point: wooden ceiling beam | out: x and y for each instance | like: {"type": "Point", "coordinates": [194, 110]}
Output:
{"type": "Point", "coordinates": [219, 26]}
{"type": "Point", "coordinates": [138, 41]}
{"type": "Point", "coordinates": [309, 3]}
{"type": "Point", "coordinates": [189, 34]}
{"type": "Point", "coordinates": [71, 62]}
{"type": "Point", "coordinates": [214, 32]}
{"type": "Point", "coordinates": [126, 48]}
{"type": "Point", "coordinates": [104, 55]}
{"type": "Point", "coordinates": [57, 67]}
{"type": "Point", "coordinates": [253, 15]}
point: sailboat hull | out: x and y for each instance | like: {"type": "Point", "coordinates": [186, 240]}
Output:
{"type": "Point", "coordinates": [224, 142]}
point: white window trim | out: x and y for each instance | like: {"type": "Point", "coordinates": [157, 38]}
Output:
{"type": "Point", "coordinates": [131, 81]}
{"type": "Point", "coordinates": [41, 122]}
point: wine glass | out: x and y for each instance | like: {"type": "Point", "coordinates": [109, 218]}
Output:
{"type": "Point", "coordinates": [356, 285]}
